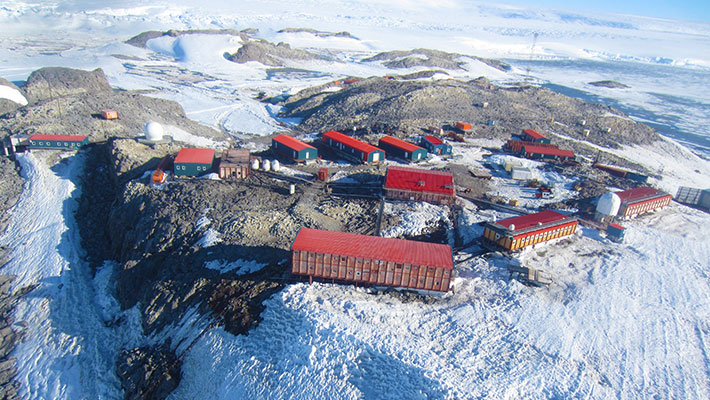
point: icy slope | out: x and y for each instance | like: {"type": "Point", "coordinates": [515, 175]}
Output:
{"type": "Point", "coordinates": [622, 321]}
{"type": "Point", "coordinates": [69, 351]}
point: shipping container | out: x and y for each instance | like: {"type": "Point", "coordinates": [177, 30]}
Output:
{"type": "Point", "coordinates": [463, 126]}
{"type": "Point", "coordinates": [109, 114]}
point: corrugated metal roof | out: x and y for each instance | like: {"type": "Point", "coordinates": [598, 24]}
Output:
{"type": "Point", "coordinates": [236, 156]}
{"type": "Point", "coordinates": [195, 156]}
{"type": "Point", "coordinates": [400, 144]}
{"type": "Point", "coordinates": [433, 140]}
{"type": "Point", "coordinates": [639, 193]}
{"type": "Point", "coordinates": [531, 220]}
{"type": "Point", "coordinates": [547, 150]}
{"type": "Point", "coordinates": [58, 138]}
{"type": "Point", "coordinates": [534, 134]}
{"type": "Point", "coordinates": [351, 142]}
{"type": "Point", "coordinates": [292, 142]}
{"type": "Point", "coordinates": [374, 247]}
{"type": "Point", "coordinates": [420, 180]}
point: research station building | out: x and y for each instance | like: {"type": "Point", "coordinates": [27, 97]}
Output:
{"type": "Point", "coordinates": [416, 184]}
{"type": "Point", "coordinates": [234, 164]}
{"type": "Point", "coordinates": [532, 135]}
{"type": "Point", "coordinates": [394, 147]}
{"type": "Point", "coordinates": [641, 200]}
{"type": "Point", "coordinates": [193, 162]}
{"type": "Point", "coordinates": [57, 142]}
{"type": "Point", "coordinates": [372, 260]}
{"type": "Point", "coordinates": [353, 149]}
{"type": "Point", "coordinates": [527, 230]}
{"type": "Point", "coordinates": [435, 145]}
{"type": "Point", "coordinates": [293, 149]}
{"type": "Point", "coordinates": [535, 152]}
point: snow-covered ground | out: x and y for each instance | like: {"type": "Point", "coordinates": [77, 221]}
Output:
{"type": "Point", "coordinates": [620, 320]}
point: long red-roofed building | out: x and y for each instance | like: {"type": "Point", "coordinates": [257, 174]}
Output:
{"type": "Point", "coordinates": [353, 149]}
{"type": "Point", "coordinates": [372, 260]}
{"type": "Point", "coordinates": [41, 141]}
{"type": "Point", "coordinates": [546, 153]}
{"type": "Point", "coordinates": [526, 230]}
{"type": "Point", "coordinates": [417, 184]}
{"type": "Point", "coordinates": [532, 135]}
{"type": "Point", "coordinates": [640, 200]}
{"type": "Point", "coordinates": [293, 148]}
{"type": "Point", "coordinates": [395, 147]}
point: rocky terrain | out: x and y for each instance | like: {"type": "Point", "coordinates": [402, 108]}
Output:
{"type": "Point", "coordinates": [376, 106]}
{"type": "Point", "coordinates": [610, 84]}
{"type": "Point", "coordinates": [158, 236]}
{"type": "Point", "coordinates": [271, 54]}
{"type": "Point", "coordinates": [6, 105]}
{"type": "Point", "coordinates": [431, 59]}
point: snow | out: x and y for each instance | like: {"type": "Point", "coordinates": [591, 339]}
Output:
{"type": "Point", "coordinates": [239, 267]}
{"type": "Point", "coordinates": [12, 94]}
{"type": "Point", "coordinates": [620, 320]}
{"type": "Point", "coordinates": [67, 338]}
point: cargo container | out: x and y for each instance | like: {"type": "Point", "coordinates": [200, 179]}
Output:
{"type": "Point", "coordinates": [293, 149]}
{"type": "Point", "coordinates": [463, 126]}
{"type": "Point", "coordinates": [323, 174]}
{"type": "Point", "coordinates": [353, 149]}
{"type": "Point", "coordinates": [372, 260]}
{"type": "Point", "coordinates": [398, 148]}
{"type": "Point", "coordinates": [109, 114]}
{"type": "Point", "coordinates": [416, 184]}
{"type": "Point", "coordinates": [527, 230]}
{"type": "Point", "coordinates": [615, 232]}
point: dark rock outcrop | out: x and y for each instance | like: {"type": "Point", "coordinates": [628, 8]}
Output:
{"type": "Point", "coordinates": [7, 105]}
{"type": "Point", "coordinates": [271, 54]}
{"type": "Point", "coordinates": [53, 82]}
{"type": "Point", "coordinates": [141, 39]}
{"type": "Point", "coordinates": [610, 84]}
{"type": "Point", "coordinates": [431, 59]}
{"type": "Point", "coordinates": [148, 372]}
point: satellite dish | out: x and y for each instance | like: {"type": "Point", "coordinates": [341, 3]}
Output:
{"type": "Point", "coordinates": [153, 131]}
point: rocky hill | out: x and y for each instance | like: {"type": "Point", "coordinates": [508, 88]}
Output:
{"type": "Point", "coordinates": [406, 107]}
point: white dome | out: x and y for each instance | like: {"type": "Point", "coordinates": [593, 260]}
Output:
{"type": "Point", "coordinates": [609, 204]}
{"type": "Point", "coordinates": [153, 131]}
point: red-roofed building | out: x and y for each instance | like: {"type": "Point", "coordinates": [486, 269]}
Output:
{"type": "Point", "coordinates": [353, 149]}
{"type": "Point", "coordinates": [372, 260]}
{"type": "Point", "coordinates": [532, 135]}
{"type": "Point", "coordinates": [193, 162]}
{"type": "Point", "coordinates": [435, 145]}
{"type": "Point", "coordinates": [516, 146]}
{"type": "Point", "coordinates": [402, 183]}
{"type": "Point", "coordinates": [526, 230]}
{"type": "Point", "coordinates": [293, 149]}
{"type": "Point", "coordinates": [399, 148]}
{"type": "Point", "coordinates": [547, 153]}
{"type": "Point", "coordinates": [57, 142]}
{"type": "Point", "coordinates": [640, 200]}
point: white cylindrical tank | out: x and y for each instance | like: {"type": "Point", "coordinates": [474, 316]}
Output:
{"type": "Point", "coordinates": [292, 188]}
{"type": "Point", "coordinates": [276, 166]}
{"type": "Point", "coordinates": [266, 165]}
{"type": "Point", "coordinates": [609, 204]}
{"type": "Point", "coordinates": [153, 131]}
{"type": "Point", "coordinates": [255, 164]}
{"type": "Point", "coordinates": [512, 227]}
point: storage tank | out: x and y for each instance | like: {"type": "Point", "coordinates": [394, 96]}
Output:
{"type": "Point", "coordinates": [255, 164]}
{"type": "Point", "coordinates": [609, 204]}
{"type": "Point", "coordinates": [276, 166]}
{"type": "Point", "coordinates": [153, 131]}
{"type": "Point", "coordinates": [266, 165]}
